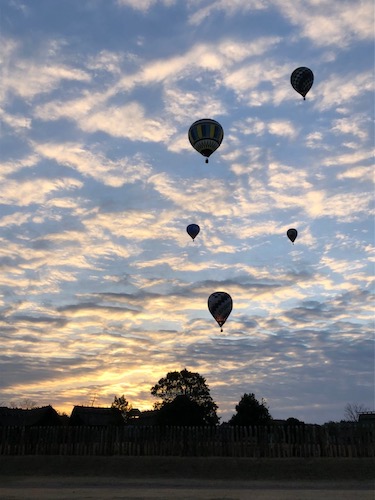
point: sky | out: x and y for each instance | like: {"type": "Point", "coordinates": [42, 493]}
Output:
{"type": "Point", "coordinates": [102, 291]}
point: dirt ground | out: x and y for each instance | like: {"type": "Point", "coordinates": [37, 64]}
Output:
{"type": "Point", "coordinates": [167, 478]}
{"type": "Point", "coordinates": [58, 488]}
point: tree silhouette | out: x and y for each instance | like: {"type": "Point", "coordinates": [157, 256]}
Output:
{"type": "Point", "coordinates": [181, 411]}
{"type": "Point", "coordinates": [123, 405]}
{"type": "Point", "coordinates": [193, 387]}
{"type": "Point", "coordinates": [251, 412]}
{"type": "Point", "coordinates": [352, 411]}
{"type": "Point", "coordinates": [25, 404]}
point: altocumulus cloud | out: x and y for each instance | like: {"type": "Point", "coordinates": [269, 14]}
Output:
{"type": "Point", "coordinates": [102, 289]}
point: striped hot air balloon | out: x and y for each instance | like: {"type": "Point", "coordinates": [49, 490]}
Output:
{"type": "Point", "coordinates": [205, 136]}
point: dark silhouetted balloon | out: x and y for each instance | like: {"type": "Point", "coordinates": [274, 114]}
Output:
{"type": "Point", "coordinates": [292, 234]}
{"type": "Point", "coordinates": [302, 80]}
{"type": "Point", "coordinates": [220, 306]}
{"type": "Point", "coordinates": [193, 230]}
{"type": "Point", "coordinates": [206, 136]}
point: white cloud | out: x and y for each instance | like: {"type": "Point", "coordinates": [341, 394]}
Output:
{"type": "Point", "coordinates": [95, 164]}
{"type": "Point", "coordinates": [74, 109]}
{"type": "Point", "coordinates": [229, 7]}
{"type": "Point", "coordinates": [346, 267]}
{"type": "Point", "coordinates": [127, 121]}
{"type": "Point", "coordinates": [143, 5]}
{"type": "Point", "coordinates": [325, 22]}
{"type": "Point", "coordinates": [183, 106]}
{"type": "Point", "coordinates": [282, 128]}
{"type": "Point", "coordinates": [338, 90]}
{"type": "Point", "coordinates": [179, 143]}
{"type": "Point", "coordinates": [285, 178]}
{"type": "Point", "coordinates": [246, 81]}
{"type": "Point", "coordinates": [349, 158]}
{"type": "Point", "coordinates": [346, 207]}
{"type": "Point", "coordinates": [106, 61]}
{"type": "Point", "coordinates": [329, 22]}
{"type": "Point", "coordinates": [354, 125]}
{"type": "Point", "coordinates": [363, 174]}
{"type": "Point", "coordinates": [240, 81]}
{"type": "Point", "coordinates": [136, 225]}
{"type": "Point", "coordinates": [16, 121]}
{"type": "Point", "coordinates": [314, 140]}
{"type": "Point", "coordinates": [15, 219]}
{"type": "Point", "coordinates": [208, 57]}
{"type": "Point", "coordinates": [93, 111]}
{"type": "Point", "coordinates": [194, 196]}
{"type": "Point", "coordinates": [23, 193]}
{"type": "Point", "coordinates": [29, 78]}
{"type": "Point", "coordinates": [237, 51]}
{"type": "Point", "coordinates": [12, 166]}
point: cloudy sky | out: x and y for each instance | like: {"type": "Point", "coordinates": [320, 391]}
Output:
{"type": "Point", "coordinates": [102, 291]}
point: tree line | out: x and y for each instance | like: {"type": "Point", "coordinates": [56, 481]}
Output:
{"type": "Point", "coordinates": [185, 400]}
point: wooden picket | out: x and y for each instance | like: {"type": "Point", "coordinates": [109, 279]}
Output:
{"type": "Point", "coordinates": [224, 441]}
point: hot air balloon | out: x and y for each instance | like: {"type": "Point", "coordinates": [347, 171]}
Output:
{"type": "Point", "coordinates": [302, 80]}
{"type": "Point", "coordinates": [193, 230]}
{"type": "Point", "coordinates": [206, 136]}
{"type": "Point", "coordinates": [220, 306]}
{"type": "Point", "coordinates": [292, 234]}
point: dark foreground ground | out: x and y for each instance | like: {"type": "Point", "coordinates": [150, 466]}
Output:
{"type": "Point", "coordinates": [164, 478]}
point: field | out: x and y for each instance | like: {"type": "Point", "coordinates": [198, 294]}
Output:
{"type": "Point", "coordinates": [162, 478]}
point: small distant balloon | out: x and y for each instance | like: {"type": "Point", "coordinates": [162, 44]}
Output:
{"type": "Point", "coordinates": [193, 230]}
{"type": "Point", "coordinates": [206, 136]}
{"type": "Point", "coordinates": [302, 80]}
{"type": "Point", "coordinates": [292, 234]}
{"type": "Point", "coordinates": [220, 305]}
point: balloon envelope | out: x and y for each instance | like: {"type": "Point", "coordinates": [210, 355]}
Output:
{"type": "Point", "coordinates": [302, 79]}
{"type": "Point", "coordinates": [206, 136]}
{"type": "Point", "coordinates": [193, 230]}
{"type": "Point", "coordinates": [292, 234]}
{"type": "Point", "coordinates": [220, 305]}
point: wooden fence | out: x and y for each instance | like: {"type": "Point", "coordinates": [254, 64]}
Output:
{"type": "Point", "coordinates": [224, 441]}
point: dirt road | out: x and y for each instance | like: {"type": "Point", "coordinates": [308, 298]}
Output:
{"type": "Point", "coordinates": [58, 488]}
{"type": "Point", "coordinates": [181, 478]}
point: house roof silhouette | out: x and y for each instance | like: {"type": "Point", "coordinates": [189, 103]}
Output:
{"type": "Point", "coordinates": [90, 415]}
{"type": "Point", "coordinates": [45, 415]}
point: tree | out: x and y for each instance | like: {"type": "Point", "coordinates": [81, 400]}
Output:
{"type": "Point", "coordinates": [191, 385]}
{"type": "Point", "coordinates": [63, 417]}
{"type": "Point", "coordinates": [123, 405]}
{"type": "Point", "coordinates": [251, 412]}
{"type": "Point", "coordinates": [25, 404]}
{"type": "Point", "coordinates": [292, 421]}
{"type": "Point", "coordinates": [181, 411]}
{"type": "Point", "coordinates": [352, 411]}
